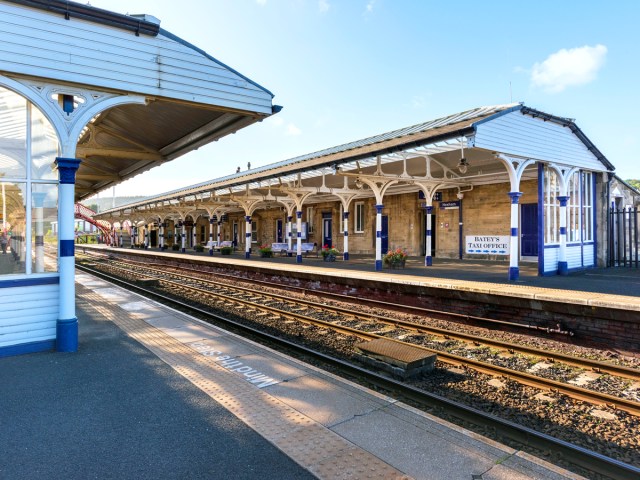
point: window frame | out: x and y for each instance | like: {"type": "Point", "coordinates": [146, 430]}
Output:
{"type": "Point", "coordinates": [359, 217]}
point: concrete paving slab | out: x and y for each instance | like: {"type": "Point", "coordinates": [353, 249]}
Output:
{"type": "Point", "coordinates": [421, 452]}
{"type": "Point", "coordinates": [322, 400]}
{"type": "Point", "coordinates": [113, 294]}
{"type": "Point", "coordinates": [215, 346]}
{"type": "Point", "coordinates": [275, 368]}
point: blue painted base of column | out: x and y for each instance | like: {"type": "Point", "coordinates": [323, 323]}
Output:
{"type": "Point", "coordinates": [183, 250]}
{"type": "Point", "coordinates": [67, 335]}
{"type": "Point", "coordinates": [563, 268]}
{"type": "Point", "coordinates": [378, 265]}
{"type": "Point", "coordinates": [247, 254]}
{"type": "Point", "coordinates": [298, 258]}
{"type": "Point", "coordinates": [514, 273]}
{"type": "Point", "coordinates": [345, 255]}
{"type": "Point", "coordinates": [211, 252]}
{"type": "Point", "coordinates": [32, 347]}
{"type": "Point", "coordinates": [428, 261]}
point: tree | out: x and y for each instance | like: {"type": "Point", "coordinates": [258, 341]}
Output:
{"type": "Point", "coordinates": [634, 183]}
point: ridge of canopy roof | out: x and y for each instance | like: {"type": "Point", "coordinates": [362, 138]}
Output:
{"type": "Point", "coordinates": [89, 13]}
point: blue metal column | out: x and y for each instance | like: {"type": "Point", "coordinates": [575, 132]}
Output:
{"type": "Point", "coordinates": [247, 237]}
{"type": "Point", "coordinates": [379, 237]}
{"type": "Point", "coordinates": [183, 232]}
{"type": "Point", "coordinates": [514, 270]}
{"type": "Point", "coordinates": [428, 261]}
{"type": "Point", "coordinates": [299, 244]}
{"type": "Point", "coordinates": [563, 266]}
{"type": "Point", "coordinates": [67, 324]}
{"type": "Point", "coordinates": [345, 255]}
{"type": "Point", "coordinates": [211, 222]}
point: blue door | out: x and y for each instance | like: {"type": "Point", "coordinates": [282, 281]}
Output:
{"type": "Point", "coordinates": [327, 239]}
{"type": "Point", "coordinates": [279, 237]}
{"type": "Point", "coordinates": [384, 235]}
{"type": "Point", "coordinates": [529, 229]}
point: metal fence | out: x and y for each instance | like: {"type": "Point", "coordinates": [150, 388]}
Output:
{"type": "Point", "coordinates": [623, 237]}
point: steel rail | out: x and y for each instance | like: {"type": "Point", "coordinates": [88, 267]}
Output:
{"type": "Point", "coordinates": [368, 301]}
{"type": "Point", "coordinates": [596, 366]}
{"type": "Point", "coordinates": [573, 391]}
{"type": "Point", "coordinates": [572, 454]}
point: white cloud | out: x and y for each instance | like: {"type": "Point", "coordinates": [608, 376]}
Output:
{"type": "Point", "coordinates": [370, 5]}
{"type": "Point", "coordinates": [293, 130]}
{"type": "Point", "coordinates": [566, 68]}
{"type": "Point", "coordinates": [323, 6]}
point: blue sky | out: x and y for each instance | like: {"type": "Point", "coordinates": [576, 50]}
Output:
{"type": "Point", "coordinates": [345, 70]}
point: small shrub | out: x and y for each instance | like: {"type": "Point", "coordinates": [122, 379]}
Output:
{"type": "Point", "coordinates": [199, 248]}
{"type": "Point", "coordinates": [226, 250]}
{"type": "Point", "coordinates": [175, 247]}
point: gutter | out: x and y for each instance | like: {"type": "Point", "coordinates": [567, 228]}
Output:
{"type": "Point", "coordinates": [92, 14]}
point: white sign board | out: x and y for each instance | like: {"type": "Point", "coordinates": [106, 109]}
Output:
{"type": "Point", "coordinates": [487, 244]}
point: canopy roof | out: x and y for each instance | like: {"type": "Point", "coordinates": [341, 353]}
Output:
{"type": "Point", "coordinates": [428, 152]}
{"type": "Point", "coordinates": [189, 97]}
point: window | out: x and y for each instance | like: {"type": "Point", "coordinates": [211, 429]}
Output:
{"type": "Point", "coordinates": [587, 206]}
{"type": "Point", "coordinates": [573, 209]}
{"type": "Point", "coordinates": [202, 233]}
{"type": "Point", "coordinates": [579, 207]}
{"type": "Point", "coordinates": [551, 207]}
{"type": "Point", "coordinates": [359, 220]}
{"type": "Point", "coordinates": [310, 214]}
{"type": "Point", "coordinates": [44, 213]}
{"type": "Point", "coordinates": [28, 187]}
{"type": "Point", "coordinates": [254, 232]}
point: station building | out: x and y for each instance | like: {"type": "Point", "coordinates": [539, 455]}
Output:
{"type": "Point", "coordinates": [89, 98]}
{"type": "Point", "coordinates": [506, 183]}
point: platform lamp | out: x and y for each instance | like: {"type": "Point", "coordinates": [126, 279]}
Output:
{"type": "Point", "coordinates": [463, 164]}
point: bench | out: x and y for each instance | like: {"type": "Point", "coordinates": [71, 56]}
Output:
{"type": "Point", "coordinates": [307, 248]}
{"type": "Point", "coordinates": [280, 248]}
{"type": "Point", "coordinates": [218, 245]}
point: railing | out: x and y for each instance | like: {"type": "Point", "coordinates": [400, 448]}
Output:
{"type": "Point", "coordinates": [87, 214]}
{"type": "Point", "coordinates": [623, 237]}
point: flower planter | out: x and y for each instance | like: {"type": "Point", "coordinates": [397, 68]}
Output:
{"type": "Point", "coordinates": [266, 254]}
{"type": "Point", "coordinates": [329, 258]}
{"type": "Point", "coordinates": [394, 264]}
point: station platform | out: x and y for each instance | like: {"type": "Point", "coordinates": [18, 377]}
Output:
{"type": "Point", "coordinates": [616, 288]}
{"type": "Point", "coordinates": [154, 393]}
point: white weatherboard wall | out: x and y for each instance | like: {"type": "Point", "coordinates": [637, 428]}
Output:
{"type": "Point", "coordinates": [29, 314]}
{"type": "Point", "coordinates": [40, 44]}
{"type": "Point", "coordinates": [578, 256]}
{"type": "Point", "coordinates": [522, 135]}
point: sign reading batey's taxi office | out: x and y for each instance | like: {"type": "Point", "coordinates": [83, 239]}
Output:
{"type": "Point", "coordinates": [487, 244]}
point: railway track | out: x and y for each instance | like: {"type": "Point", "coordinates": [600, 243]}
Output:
{"type": "Point", "coordinates": [364, 326]}
{"type": "Point", "coordinates": [578, 456]}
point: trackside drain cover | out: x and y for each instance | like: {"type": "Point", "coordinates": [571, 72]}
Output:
{"type": "Point", "coordinates": [399, 359]}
